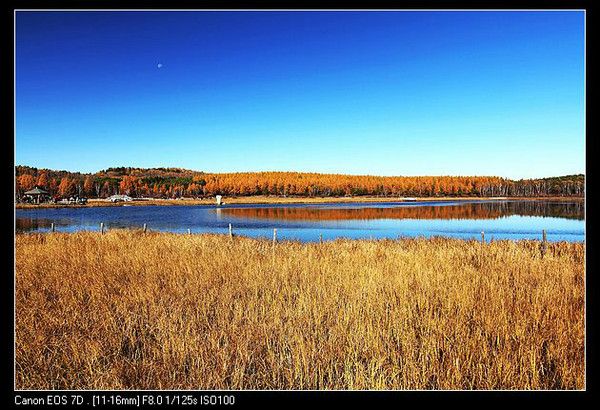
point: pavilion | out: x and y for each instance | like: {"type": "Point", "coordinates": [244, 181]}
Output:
{"type": "Point", "coordinates": [37, 194]}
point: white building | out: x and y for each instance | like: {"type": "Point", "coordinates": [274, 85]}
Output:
{"type": "Point", "coordinates": [119, 198]}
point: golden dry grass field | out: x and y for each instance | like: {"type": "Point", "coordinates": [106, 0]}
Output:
{"type": "Point", "coordinates": [129, 310]}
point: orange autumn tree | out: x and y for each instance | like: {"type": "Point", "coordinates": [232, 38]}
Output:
{"type": "Point", "coordinates": [66, 187]}
{"type": "Point", "coordinates": [129, 185]}
{"type": "Point", "coordinates": [25, 182]}
{"type": "Point", "coordinates": [88, 186]}
{"type": "Point", "coordinates": [53, 186]}
{"type": "Point", "coordinates": [42, 180]}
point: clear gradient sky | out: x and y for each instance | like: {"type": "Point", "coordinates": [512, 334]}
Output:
{"type": "Point", "coordinates": [384, 93]}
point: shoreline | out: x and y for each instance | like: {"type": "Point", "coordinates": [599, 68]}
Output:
{"type": "Point", "coordinates": [267, 241]}
{"type": "Point", "coordinates": [263, 200]}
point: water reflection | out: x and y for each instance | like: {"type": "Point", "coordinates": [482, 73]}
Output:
{"type": "Point", "coordinates": [477, 210]}
{"type": "Point", "coordinates": [32, 224]}
{"type": "Point", "coordinates": [308, 222]}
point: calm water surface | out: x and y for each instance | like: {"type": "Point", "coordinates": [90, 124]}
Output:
{"type": "Point", "coordinates": [563, 221]}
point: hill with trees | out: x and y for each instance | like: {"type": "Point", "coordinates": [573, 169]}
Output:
{"type": "Point", "coordinates": [177, 182]}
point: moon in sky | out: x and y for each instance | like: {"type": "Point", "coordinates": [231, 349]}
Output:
{"type": "Point", "coordinates": [159, 65]}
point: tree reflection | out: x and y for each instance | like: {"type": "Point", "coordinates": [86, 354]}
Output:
{"type": "Point", "coordinates": [482, 210]}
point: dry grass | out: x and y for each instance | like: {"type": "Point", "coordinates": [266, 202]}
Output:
{"type": "Point", "coordinates": [127, 310]}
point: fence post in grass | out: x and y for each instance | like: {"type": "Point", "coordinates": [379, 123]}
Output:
{"type": "Point", "coordinates": [320, 238]}
{"type": "Point", "coordinates": [102, 228]}
{"type": "Point", "coordinates": [52, 227]}
{"type": "Point", "coordinates": [189, 231]}
{"type": "Point", "coordinates": [481, 250]}
{"type": "Point", "coordinates": [544, 245]}
{"type": "Point", "coordinates": [145, 228]}
{"type": "Point", "coordinates": [273, 247]}
{"type": "Point", "coordinates": [230, 231]}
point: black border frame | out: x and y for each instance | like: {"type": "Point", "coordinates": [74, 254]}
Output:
{"type": "Point", "coordinates": [301, 398]}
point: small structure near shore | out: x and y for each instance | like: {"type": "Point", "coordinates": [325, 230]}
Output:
{"type": "Point", "coordinates": [219, 199]}
{"type": "Point", "coordinates": [37, 195]}
{"type": "Point", "coordinates": [119, 198]}
{"type": "Point", "coordinates": [78, 200]}
{"type": "Point", "coordinates": [74, 200]}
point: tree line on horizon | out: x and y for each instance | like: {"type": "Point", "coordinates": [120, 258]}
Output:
{"type": "Point", "coordinates": [177, 183]}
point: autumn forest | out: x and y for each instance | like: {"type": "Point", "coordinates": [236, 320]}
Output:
{"type": "Point", "coordinates": [176, 183]}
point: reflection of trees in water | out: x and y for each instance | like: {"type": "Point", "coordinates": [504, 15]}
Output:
{"type": "Point", "coordinates": [484, 210]}
{"type": "Point", "coordinates": [31, 224]}
{"type": "Point", "coordinates": [569, 210]}
{"type": "Point", "coordinates": [479, 210]}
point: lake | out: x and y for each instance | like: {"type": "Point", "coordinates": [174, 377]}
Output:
{"type": "Point", "coordinates": [502, 219]}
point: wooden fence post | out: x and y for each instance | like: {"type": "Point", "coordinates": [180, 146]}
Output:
{"type": "Point", "coordinates": [189, 231]}
{"type": "Point", "coordinates": [52, 227]}
{"type": "Point", "coordinates": [102, 228]}
{"type": "Point", "coordinates": [544, 245]}
{"type": "Point", "coordinates": [481, 250]}
{"type": "Point", "coordinates": [144, 228]}
{"type": "Point", "coordinates": [320, 238]}
{"type": "Point", "coordinates": [230, 231]}
{"type": "Point", "coordinates": [273, 247]}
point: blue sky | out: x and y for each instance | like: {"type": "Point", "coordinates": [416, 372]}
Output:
{"type": "Point", "coordinates": [384, 93]}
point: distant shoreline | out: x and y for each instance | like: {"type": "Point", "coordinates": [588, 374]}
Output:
{"type": "Point", "coordinates": [249, 200]}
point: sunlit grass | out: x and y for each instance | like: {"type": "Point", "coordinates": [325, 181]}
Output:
{"type": "Point", "coordinates": [155, 311]}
